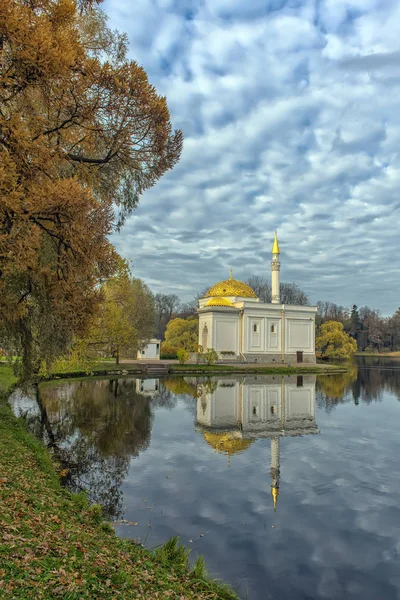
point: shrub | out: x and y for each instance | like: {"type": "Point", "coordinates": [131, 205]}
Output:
{"type": "Point", "coordinates": [168, 351]}
{"type": "Point", "coordinates": [182, 355]}
{"type": "Point", "coordinates": [211, 356]}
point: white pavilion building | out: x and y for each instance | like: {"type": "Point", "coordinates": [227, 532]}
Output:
{"type": "Point", "coordinates": [235, 323]}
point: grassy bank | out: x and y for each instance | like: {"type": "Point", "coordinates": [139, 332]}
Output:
{"type": "Point", "coordinates": [105, 369]}
{"type": "Point", "coordinates": [54, 545]}
{"type": "Point", "coordinates": [109, 367]}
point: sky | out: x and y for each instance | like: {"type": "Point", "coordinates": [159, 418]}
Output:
{"type": "Point", "coordinates": [290, 112]}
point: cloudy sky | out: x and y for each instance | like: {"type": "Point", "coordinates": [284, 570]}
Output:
{"type": "Point", "coordinates": [291, 117]}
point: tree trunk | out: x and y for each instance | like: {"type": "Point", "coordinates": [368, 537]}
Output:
{"type": "Point", "coordinates": [27, 350]}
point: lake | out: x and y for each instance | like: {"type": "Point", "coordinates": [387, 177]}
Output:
{"type": "Point", "coordinates": [288, 486]}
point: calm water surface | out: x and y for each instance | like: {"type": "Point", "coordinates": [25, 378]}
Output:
{"type": "Point", "coordinates": [208, 459]}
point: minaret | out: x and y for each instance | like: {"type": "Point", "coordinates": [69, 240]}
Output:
{"type": "Point", "coordinates": [275, 272]}
{"type": "Point", "coordinates": [275, 470]}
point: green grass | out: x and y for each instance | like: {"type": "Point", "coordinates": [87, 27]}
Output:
{"type": "Point", "coordinates": [53, 544]}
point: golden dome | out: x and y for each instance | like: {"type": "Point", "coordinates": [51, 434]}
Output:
{"type": "Point", "coordinates": [219, 301]}
{"type": "Point", "coordinates": [228, 443]}
{"type": "Point", "coordinates": [231, 287]}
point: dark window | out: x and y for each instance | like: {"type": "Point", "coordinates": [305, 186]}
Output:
{"type": "Point", "coordinates": [272, 410]}
{"type": "Point", "coordinates": [272, 328]}
{"type": "Point", "coordinates": [143, 352]}
{"type": "Point", "coordinates": [299, 380]}
{"type": "Point", "coordinates": [255, 328]}
{"type": "Point", "coordinates": [158, 347]}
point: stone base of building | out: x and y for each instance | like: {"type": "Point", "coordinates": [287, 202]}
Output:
{"type": "Point", "coordinates": [288, 358]}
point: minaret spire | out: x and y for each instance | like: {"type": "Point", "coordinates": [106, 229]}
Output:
{"type": "Point", "coordinates": [275, 271]}
{"type": "Point", "coordinates": [230, 273]}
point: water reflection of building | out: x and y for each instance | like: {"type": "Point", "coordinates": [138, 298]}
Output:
{"type": "Point", "coordinates": [231, 414]}
{"type": "Point", "coordinates": [147, 387]}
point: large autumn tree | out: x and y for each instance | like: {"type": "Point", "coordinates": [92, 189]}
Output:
{"type": "Point", "coordinates": [82, 134]}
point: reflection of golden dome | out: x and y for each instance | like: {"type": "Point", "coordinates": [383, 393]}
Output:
{"type": "Point", "coordinates": [231, 287]}
{"type": "Point", "coordinates": [228, 443]}
{"type": "Point", "coordinates": [219, 301]}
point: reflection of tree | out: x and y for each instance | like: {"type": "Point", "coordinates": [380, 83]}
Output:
{"type": "Point", "coordinates": [180, 386]}
{"type": "Point", "coordinates": [367, 380]}
{"type": "Point", "coordinates": [95, 428]}
{"type": "Point", "coordinates": [378, 379]}
{"type": "Point", "coordinates": [173, 389]}
{"type": "Point", "coordinates": [164, 398]}
{"type": "Point", "coordinates": [331, 389]}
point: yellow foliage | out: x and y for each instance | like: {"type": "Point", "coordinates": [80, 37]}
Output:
{"type": "Point", "coordinates": [334, 342]}
{"type": "Point", "coordinates": [182, 333]}
{"type": "Point", "coordinates": [126, 316]}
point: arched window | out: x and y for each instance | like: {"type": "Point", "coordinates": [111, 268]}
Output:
{"type": "Point", "coordinates": [272, 328]}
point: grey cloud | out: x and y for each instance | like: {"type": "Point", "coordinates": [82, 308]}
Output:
{"type": "Point", "coordinates": [276, 136]}
{"type": "Point", "coordinates": [368, 62]}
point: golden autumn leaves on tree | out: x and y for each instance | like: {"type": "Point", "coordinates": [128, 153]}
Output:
{"type": "Point", "coordinates": [181, 334]}
{"type": "Point", "coordinates": [126, 316]}
{"type": "Point", "coordinates": [334, 342]}
{"type": "Point", "coordinates": [82, 135]}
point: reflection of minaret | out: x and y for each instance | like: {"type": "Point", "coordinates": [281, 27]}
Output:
{"type": "Point", "coordinates": [239, 411]}
{"type": "Point", "coordinates": [275, 470]}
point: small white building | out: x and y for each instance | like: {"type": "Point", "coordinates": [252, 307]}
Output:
{"type": "Point", "coordinates": [234, 322]}
{"type": "Point", "coordinates": [151, 351]}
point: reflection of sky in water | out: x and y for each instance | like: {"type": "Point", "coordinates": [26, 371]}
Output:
{"type": "Point", "coordinates": [336, 532]}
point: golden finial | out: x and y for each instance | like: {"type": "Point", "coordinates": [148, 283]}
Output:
{"type": "Point", "coordinates": [275, 494]}
{"type": "Point", "coordinates": [275, 246]}
{"type": "Point", "coordinates": [231, 274]}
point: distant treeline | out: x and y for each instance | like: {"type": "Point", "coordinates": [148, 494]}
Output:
{"type": "Point", "coordinates": [366, 325]}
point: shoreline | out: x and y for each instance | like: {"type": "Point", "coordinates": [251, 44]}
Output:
{"type": "Point", "coordinates": [394, 354]}
{"type": "Point", "coordinates": [160, 368]}
{"type": "Point", "coordinates": [79, 553]}
{"type": "Point", "coordinates": [72, 552]}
